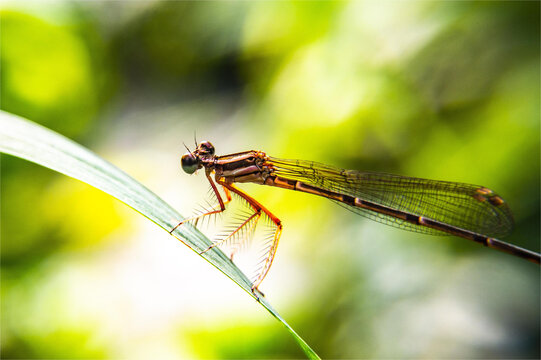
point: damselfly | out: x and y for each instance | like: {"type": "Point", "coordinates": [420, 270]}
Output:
{"type": "Point", "coordinates": [425, 206]}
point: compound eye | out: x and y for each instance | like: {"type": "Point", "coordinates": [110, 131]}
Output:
{"type": "Point", "coordinates": [189, 163]}
{"type": "Point", "coordinates": [207, 147]}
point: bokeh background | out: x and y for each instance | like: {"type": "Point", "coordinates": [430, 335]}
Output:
{"type": "Point", "coordinates": [435, 89]}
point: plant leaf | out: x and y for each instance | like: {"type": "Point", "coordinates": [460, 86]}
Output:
{"type": "Point", "coordinates": [30, 141]}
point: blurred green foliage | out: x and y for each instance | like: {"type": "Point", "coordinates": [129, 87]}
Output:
{"type": "Point", "coordinates": [46, 73]}
{"type": "Point", "coordinates": [445, 90]}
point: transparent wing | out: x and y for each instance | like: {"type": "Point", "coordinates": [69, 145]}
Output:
{"type": "Point", "coordinates": [469, 207]}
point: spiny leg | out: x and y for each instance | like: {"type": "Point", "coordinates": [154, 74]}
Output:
{"type": "Point", "coordinates": [210, 210]}
{"type": "Point", "coordinates": [248, 231]}
{"type": "Point", "coordinates": [255, 217]}
{"type": "Point", "coordinates": [217, 211]}
{"type": "Point", "coordinates": [268, 257]}
{"type": "Point", "coordinates": [249, 234]}
{"type": "Point", "coordinates": [267, 262]}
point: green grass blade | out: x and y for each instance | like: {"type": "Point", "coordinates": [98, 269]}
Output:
{"type": "Point", "coordinates": [30, 141]}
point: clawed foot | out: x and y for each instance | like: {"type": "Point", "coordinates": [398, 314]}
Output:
{"type": "Point", "coordinates": [179, 224]}
{"type": "Point", "coordinates": [207, 249]}
{"type": "Point", "coordinates": [256, 293]}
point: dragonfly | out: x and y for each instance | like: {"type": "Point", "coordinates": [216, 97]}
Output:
{"type": "Point", "coordinates": [425, 206]}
